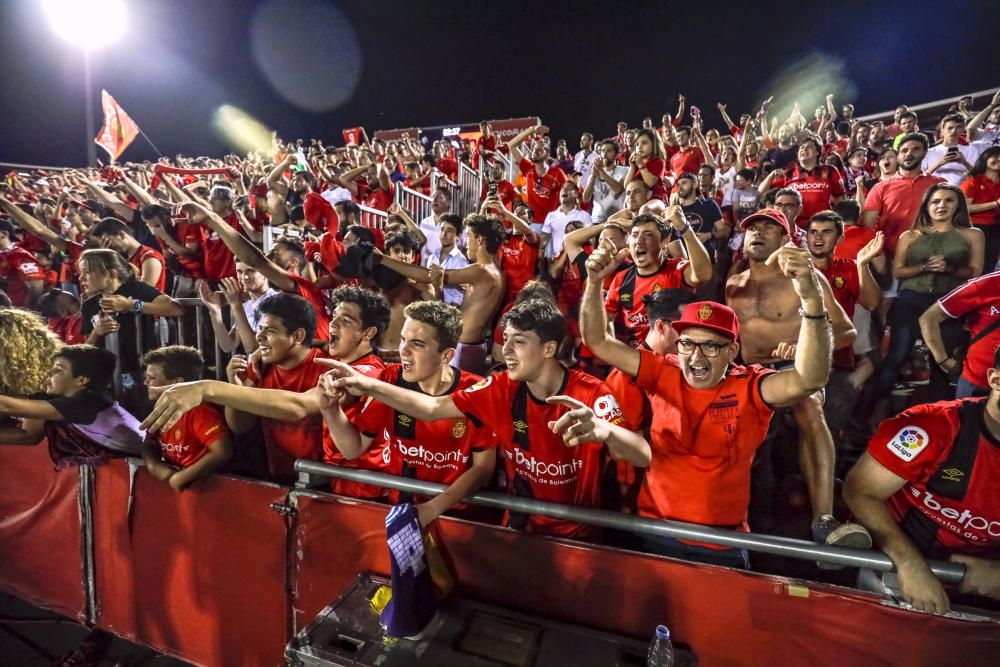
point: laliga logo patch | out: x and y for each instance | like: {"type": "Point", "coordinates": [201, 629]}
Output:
{"type": "Point", "coordinates": [705, 312]}
{"type": "Point", "coordinates": [458, 429]}
{"type": "Point", "coordinates": [909, 442]}
{"type": "Point", "coordinates": [482, 384]}
{"type": "Point", "coordinates": [839, 282]}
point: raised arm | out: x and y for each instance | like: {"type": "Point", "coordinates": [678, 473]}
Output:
{"type": "Point", "coordinates": [419, 405]}
{"type": "Point", "coordinates": [396, 209]}
{"type": "Point", "coordinates": [31, 224]}
{"type": "Point", "coordinates": [520, 225]}
{"type": "Point", "coordinates": [276, 179]}
{"type": "Point", "coordinates": [414, 272]}
{"type": "Point", "coordinates": [980, 117]}
{"type": "Point", "coordinates": [814, 348]}
{"type": "Point", "coordinates": [109, 200]}
{"type": "Point", "coordinates": [870, 295]}
{"type": "Point", "coordinates": [706, 150]}
{"type": "Point", "coordinates": [518, 139]}
{"type": "Point", "coordinates": [699, 271]}
{"type": "Point", "coordinates": [725, 116]}
{"type": "Point", "coordinates": [593, 319]}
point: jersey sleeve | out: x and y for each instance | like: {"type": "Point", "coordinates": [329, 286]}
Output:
{"type": "Point", "coordinates": [873, 202]}
{"type": "Point", "coordinates": [612, 303]}
{"type": "Point", "coordinates": [487, 402]}
{"type": "Point", "coordinates": [968, 187]}
{"type": "Point", "coordinates": [757, 375]}
{"type": "Point", "coordinates": [525, 166]}
{"type": "Point", "coordinates": [372, 419]}
{"type": "Point", "coordinates": [208, 425]}
{"type": "Point", "coordinates": [837, 183]}
{"type": "Point", "coordinates": [27, 268]}
{"type": "Point", "coordinates": [911, 444]}
{"type": "Point", "coordinates": [652, 368]}
{"type": "Point", "coordinates": [605, 405]}
{"type": "Point", "coordinates": [965, 298]}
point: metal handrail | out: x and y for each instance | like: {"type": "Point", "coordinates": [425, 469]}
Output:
{"type": "Point", "coordinates": [778, 546]}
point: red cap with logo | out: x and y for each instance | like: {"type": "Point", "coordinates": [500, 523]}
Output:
{"type": "Point", "coordinates": [709, 315]}
{"type": "Point", "coordinates": [768, 215]}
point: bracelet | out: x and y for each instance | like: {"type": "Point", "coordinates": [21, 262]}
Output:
{"type": "Point", "coordinates": [137, 306]}
{"type": "Point", "coordinates": [685, 229]}
{"type": "Point", "coordinates": [825, 315]}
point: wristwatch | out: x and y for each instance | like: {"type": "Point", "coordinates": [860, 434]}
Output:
{"type": "Point", "coordinates": [137, 306]}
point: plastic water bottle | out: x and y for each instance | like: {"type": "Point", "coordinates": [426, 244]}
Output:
{"type": "Point", "coordinates": [661, 651]}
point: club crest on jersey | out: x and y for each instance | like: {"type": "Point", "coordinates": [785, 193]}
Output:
{"type": "Point", "coordinates": [839, 282]}
{"type": "Point", "coordinates": [482, 384]}
{"type": "Point", "coordinates": [458, 429]}
{"type": "Point", "coordinates": [705, 312]}
{"type": "Point", "coordinates": [909, 442]}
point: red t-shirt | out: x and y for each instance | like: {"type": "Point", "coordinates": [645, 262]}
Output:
{"type": "Point", "coordinates": [897, 201]}
{"type": "Point", "coordinates": [636, 416]}
{"type": "Point", "coordinates": [703, 442]}
{"type": "Point", "coordinates": [376, 458]}
{"type": "Point", "coordinates": [145, 253]}
{"type": "Point", "coordinates": [978, 300]}
{"type": "Point", "coordinates": [981, 190]}
{"type": "Point", "coordinates": [219, 260]}
{"type": "Point", "coordinates": [308, 290]}
{"type": "Point", "coordinates": [507, 194]}
{"type": "Point", "coordinates": [538, 464]}
{"type": "Point", "coordinates": [328, 251]}
{"type": "Point", "coordinates": [483, 143]}
{"type": "Point", "coordinates": [543, 192]}
{"type": "Point", "coordinates": [188, 233]}
{"type": "Point", "coordinates": [189, 439]}
{"type": "Point", "coordinates": [18, 266]}
{"type": "Point", "coordinates": [816, 185]}
{"type": "Point", "coordinates": [378, 198]}
{"type": "Point", "coordinates": [287, 441]}
{"type": "Point", "coordinates": [670, 275]}
{"type": "Point", "coordinates": [856, 237]}
{"type": "Point", "coordinates": [913, 445]}
{"type": "Point", "coordinates": [449, 167]}
{"type": "Point", "coordinates": [518, 261]}
{"type": "Point", "coordinates": [439, 451]}
{"type": "Point", "coordinates": [842, 274]}
{"type": "Point", "coordinates": [687, 159]}
{"type": "Point", "coordinates": [68, 329]}
{"type": "Point", "coordinates": [656, 167]}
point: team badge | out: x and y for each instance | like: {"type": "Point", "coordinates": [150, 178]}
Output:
{"type": "Point", "coordinates": [705, 312]}
{"type": "Point", "coordinates": [839, 282]}
{"type": "Point", "coordinates": [482, 384]}
{"type": "Point", "coordinates": [458, 428]}
{"type": "Point", "coordinates": [909, 442]}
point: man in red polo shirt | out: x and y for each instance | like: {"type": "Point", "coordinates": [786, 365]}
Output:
{"type": "Point", "coordinates": [649, 272]}
{"type": "Point", "coordinates": [552, 453]}
{"type": "Point", "coordinates": [892, 205]}
{"type": "Point", "coordinates": [496, 179]}
{"type": "Point", "coordinates": [978, 301]}
{"type": "Point", "coordinates": [709, 414]}
{"type": "Point", "coordinates": [685, 153]}
{"type": "Point", "coordinates": [486, 144]}
{"type": "Point", "coordinates": [544, 181]}
{"type": "Point", "coordinates": [929, 487]}
{"type": "Point", "coordinates": [821, 185]}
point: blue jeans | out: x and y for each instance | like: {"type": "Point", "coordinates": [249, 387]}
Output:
{"type": "Point", "coordinates": [968, 390]}
{"type": "Point", "coordinates": [668, 546]}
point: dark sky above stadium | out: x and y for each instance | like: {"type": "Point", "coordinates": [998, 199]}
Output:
{"type": "Point", "coordinates": [311, 67]}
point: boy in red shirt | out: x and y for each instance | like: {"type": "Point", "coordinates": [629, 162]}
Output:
{"type": "Point", "coordinates": [448, 451]}
{"type": "Point", "coordinates": [199, 443]}
{"type": "Point", "coordinates": [62, 310]}
{"type": "Point", "coordinates": [552, 453]}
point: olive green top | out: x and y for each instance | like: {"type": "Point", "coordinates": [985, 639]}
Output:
{"type": "Point", "coordinates": [952, 246]}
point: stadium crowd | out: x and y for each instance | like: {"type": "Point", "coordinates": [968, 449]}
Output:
{"type": "Point", "coordinates": [677, 321]}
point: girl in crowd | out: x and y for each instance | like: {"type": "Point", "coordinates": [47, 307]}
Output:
{"type": "Point", "coordinates": [648, 162]}
{"type": "Point", "coordinates": [982, 194]}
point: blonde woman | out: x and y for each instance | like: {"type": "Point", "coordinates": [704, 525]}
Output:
{"type": "Point", "coordinates": [26, 350]}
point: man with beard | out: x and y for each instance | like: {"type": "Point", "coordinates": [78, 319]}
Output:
{"type": "Point", "coordinates": [543, 181]}
{"type": "Point", "coordinates": [287, 398]}
{"type": "Point", "coordinates": [765, 303]}
{"type": "Point", "coordinates": [553, 229]}
{"type": "Point", "coordinates": [650, 272]}
{"type": "Point", "coordinates": [606, 186]}
{"type": "Point", "coordinates": [709, 415]}
{"type": "Point", "coordinates": [702, 214]}
{"type": "Point", "coordinates": [294, 193]}
{"type": "Point", "coordinates": [784, 153]}
{"type": "Point", "coordinates": [927, 488]}
{"type": "Point", "coordinates": [891, 206]}
{"type": "Point", "coordinates": [496, 178]}
{"type": "Point", "coordinates": [583, 161]}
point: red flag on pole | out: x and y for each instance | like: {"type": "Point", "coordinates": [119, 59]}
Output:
{"type": "Point", "coordinates": [119, 130]}
{"type": "Point", "coordinates": [352, 135]}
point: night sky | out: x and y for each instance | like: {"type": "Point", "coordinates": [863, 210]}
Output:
{"type": "Point", "coordinates": [579, 65]}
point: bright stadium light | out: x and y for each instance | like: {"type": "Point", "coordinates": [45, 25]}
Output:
{"type": "Point", "coordinates": [89, 24]}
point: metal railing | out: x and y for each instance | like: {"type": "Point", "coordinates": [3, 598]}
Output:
{"type": "Point", "coordinates": [417, 204]}
{"type": "Point", "coordinates": [470, 185]}
{"type": "Point", "coordinates": [770, 544]}
{"type": "Point", "coordinates": [372, 218]}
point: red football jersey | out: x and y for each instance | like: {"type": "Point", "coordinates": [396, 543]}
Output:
{"type": "Point", "coordinates": [189, 439]}
{"type": "Point", "coordinates": [636, 416]}
{"type": "Point", "coordinates": [658, 168]}
{"type": "Point", "coordinates": [628, 288]}
{"type": "Point", "coordinates": [287, 441]}
{"type": "Point", "coordinates": [378, 198]}
{"type": "Point", "coordinates": [18, 266]}
{"type": "Point", "coordinates": [145, 253]}
{"type": "Point", "coordinates": [219, 261]}
{"type": "Point", "coordinates": [543, 192]}
{"type": "Point", "coordinates": [519, 263]}
{"type": "Point", "coordinates": [308, 290]}
{"type": "Point", "coordinates": [916, 445]}
{"type": "Point", "coordinates": [816, 186]}
{"type": "Point", "coordinates": [979, 301]}
{"type": "Point", "coordinates": [507, 194]}
{"type": "Point", "coordinates": [689, 160]}
{"type": "Point", "coordinates": [68, 329]}
{"type": "Point", "coordinates": [842, 274]}
{"type": "Point", "coordinates": [538, 464]}
{"type": "Point", "coordinates": [438, 451]}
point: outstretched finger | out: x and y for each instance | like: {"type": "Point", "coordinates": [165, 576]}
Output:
{"type": "Point", "coordinates": [568, 401]}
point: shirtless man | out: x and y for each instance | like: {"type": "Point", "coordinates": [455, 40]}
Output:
{"type": "Point", "coordinates": [768, 310]}
{"type": "Point", "coordinates": [484, 287]}
{"type": "Point", "coordinates": [402, 247]}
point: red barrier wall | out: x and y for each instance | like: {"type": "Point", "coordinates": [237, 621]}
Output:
{"type": "Point", "coordinates": [201, 574]}
{"type": "Point", "coordinates": [40, 556]}
{"type": "Point", "coordinates": [727, 617]}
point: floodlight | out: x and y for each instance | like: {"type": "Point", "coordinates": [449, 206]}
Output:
{"type": "Point", "coordinates": [89, 24]}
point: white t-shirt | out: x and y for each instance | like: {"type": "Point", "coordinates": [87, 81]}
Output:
{"type": "Point", "coordinates": [584, 163]}
{"type": "Point", "coordinates": [953, 172]}
{"type": "Point", "coordinates": [335, 195]}
{"type": "Point", "coordinates": [605, 202]}
{"type": "Point", "coordinates": [555, 227]}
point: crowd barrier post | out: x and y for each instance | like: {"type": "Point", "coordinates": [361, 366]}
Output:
{"type": "Point", "coordinates": [372, 218]}
{"type": "Point", "coordinates": [417, 204]}
{"type": "Point", "coordinates": [779, 546]}
{"type": "Point", "coordinates": [86, 500]}
{"type": "Point", "coordinates": [469, 187]}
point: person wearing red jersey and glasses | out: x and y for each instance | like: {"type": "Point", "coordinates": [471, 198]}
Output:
{"type": "Point", "coordinates": [928, 488]}
{"type": "Point", "coordinates": [550, 421]}
{"type": "Point", "coordinates": [709, 415]}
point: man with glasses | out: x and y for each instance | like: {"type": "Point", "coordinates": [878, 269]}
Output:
{"type": "Point", "coordinates": [709, 414]}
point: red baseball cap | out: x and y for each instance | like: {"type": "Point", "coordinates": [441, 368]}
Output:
{"type": "Point", "coordinates": [768, 215]}
{"type": "Point", "coordinates": [709, 315]}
